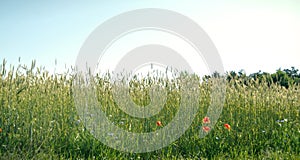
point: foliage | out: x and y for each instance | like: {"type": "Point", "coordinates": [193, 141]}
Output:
{"type": "Point", "coordinates": [285, 78]}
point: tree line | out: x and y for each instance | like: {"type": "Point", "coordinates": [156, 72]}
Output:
{"type": "Point", "coordinates": [285, 77]}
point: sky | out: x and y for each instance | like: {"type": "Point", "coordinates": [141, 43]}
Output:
{"type": "Point", "coordinates": [249, 34]}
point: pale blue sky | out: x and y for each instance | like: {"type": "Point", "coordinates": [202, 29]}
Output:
{"type": "Point", "coordinates": [249, 35]}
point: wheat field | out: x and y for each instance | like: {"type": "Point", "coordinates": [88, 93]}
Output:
{"type": "Point", "coordinates": [39, 120]}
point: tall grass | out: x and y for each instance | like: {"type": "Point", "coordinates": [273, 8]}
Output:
{"type": "Point", "coordinates": [38, 119]}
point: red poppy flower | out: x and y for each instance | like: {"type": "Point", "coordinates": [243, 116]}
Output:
{"type": "Point", "coordinates": [0, 130]}
{"type": "Point", "coordinates": [206, 129]}
{"type": "Point", "coordinates": [206, 120]}
{"type": "Point", "coordinates": [158, 123]}
{"type": "Point", "coordinates": [227, 126]}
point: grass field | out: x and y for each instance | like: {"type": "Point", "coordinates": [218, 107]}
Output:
{"type": "Point", "coordinates": [38, 120]}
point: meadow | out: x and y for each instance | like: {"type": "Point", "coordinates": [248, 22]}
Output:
{"type": "Point", "coordinates": [39, 120]}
